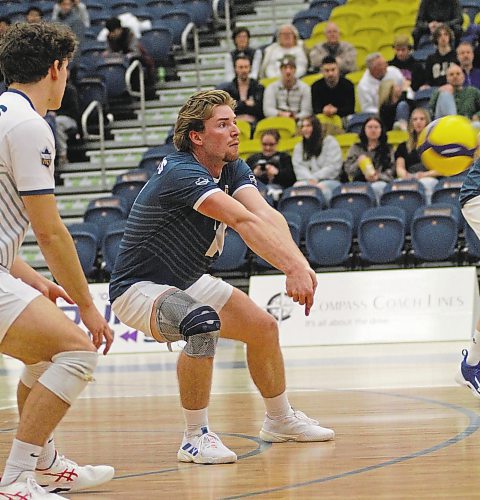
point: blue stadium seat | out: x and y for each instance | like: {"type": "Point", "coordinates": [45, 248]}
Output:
{"type": "Point", "coordinates": [381, 235]}
{"type": "Point", "coordinates": [356, 197]}
{"type": "Point", "coordinates": [422, 98]}
{"type": "Point", "coordinates": [355, 122]}
{"type": "Point", "coordinates": [158, 43]}
{"type": "Point", "coordinates": [305, 20]}
{"type": "Point", "coordinates": [85, 237]}
{"type": "Point", "coordinates": [328, 237]}
{"type": "Point", "coordinates": [111, 244]}
{"type": "Point", "coordinates": [178, 20]}
{"type": "Point", "coordinates": [153, 157]}
{"type": "Point", "coordinates": [234, 255]}
{"type": "Point", "coordinates": [434, 233]}
{"type": "Point", "coordinates": [113, 73]}
{"type": "Point", "coordinates": [103, 212]}
{"type": "Point", "coordinates": [200, 11]}
{"type": "Point", "coordinates": [128, 185]}
{"type": "Point", "coordinates": [407, 194]}
{"type": "Point", "coordinates": [119, 7]}
{"type": "Point", "coordinates": [304, 201]}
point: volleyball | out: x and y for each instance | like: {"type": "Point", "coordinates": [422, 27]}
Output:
{"type": "Point", "coordinates": [448, 144]}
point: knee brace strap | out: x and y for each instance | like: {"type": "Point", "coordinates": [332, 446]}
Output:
{"type": "Point", "coordinates": [69, 373]}
{"type": "Point", "coordinates": [31, 373]}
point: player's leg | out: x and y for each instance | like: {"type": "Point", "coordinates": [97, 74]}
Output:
{"type": "Point", "coordinates": [243, 320]}
{"type": "Point", "coordinates": [168, 315]}
{"type": "Point", "coordinates": [42, 333]}
{"type": "Point", "coordinates": [469, 373]}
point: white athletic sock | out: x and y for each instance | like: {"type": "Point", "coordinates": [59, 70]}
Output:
{"type": "Point", "coordinates": [48, 455]}
{"type": "Point", "coordinates": [195, 420]}
{"type": "Point", "coordinates": [278, 407]}
{"type": "Point", "coordinates": [23, 457]}
{"type": "Point", "coordinates": [473, 356]}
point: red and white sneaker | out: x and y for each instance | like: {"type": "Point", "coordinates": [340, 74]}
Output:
{"type": "Point", "coordinates": [65, 475]}
{"type": "Point", "coordinates": [26, 488]}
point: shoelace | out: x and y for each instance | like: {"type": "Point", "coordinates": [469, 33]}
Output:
{"type": "Point", "coordinates": [301, 416]}
{"type": "Point", "coordinates": [64, 461]}
{"type": "Point", "coordinates": [34, 487]}
{"type": "Point", "coordinates": [208, 440]}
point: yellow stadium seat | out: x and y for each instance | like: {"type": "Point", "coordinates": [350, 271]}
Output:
{"type": "Point", "coordinates": [363, 3]}
{"type": "Point", "coordinates": [363, 46]}
{"type": "Point", "coordinates": [476, 19]}
{"type": "Point", "coordinates": [355, 76]}
{"type": "Point", "coordinates": [267, 81]}
{"type": "Point", "coordinates": [466, 21]}
{"type": "Point", "coordinates": [370, 27]}
{"type": "Point", "coordinates": [248, 148]}
{"type": "Point", "coordinates": [387, 12]}
{"type": "Point", "coordinates": [346, 141]}
{"type": "Point", "coordinates": [403, 26]}
{"type": "Point", "coordinates": [387, 52]}
{"type": "Point", "coordinates": [396, 137]}
{"type": "Point", "coordinates": [319, 29]}
{"type": "Point", "coordinates": [309, 79]}
{"type": "Point", "coordinates": [245, 130]}
{"type": "Point", "coordinates": [309, 43]}
{"type": "Point", "coordinates": [333, 123]}
{"type": "Point", "coordinates": [346, 16]}
{"type": "Point", "coordinates": [286, 127]}
{"type": "Point", "coordinates": [287, 145]}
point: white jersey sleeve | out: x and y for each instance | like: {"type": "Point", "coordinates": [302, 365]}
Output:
{"type": "Point", "coordinates": [32, 151]}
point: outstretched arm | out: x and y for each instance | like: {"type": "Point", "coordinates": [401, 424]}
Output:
{"type": "Point", "coordinates": [266, 232]}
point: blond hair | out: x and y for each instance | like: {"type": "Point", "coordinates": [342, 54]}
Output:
{"type": "Point", "coordinates": [385, 92]}
{"type": "Point", "coordinates": [193, 114]}
{"type": "Point", "coordinates": [412, 135]}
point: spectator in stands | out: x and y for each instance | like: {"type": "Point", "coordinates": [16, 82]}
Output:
{"type": "Point", "coordinates": [437, 63]}
{"type": "Point", "coordinates": [465, 58]}
{"type": "Point", "coordinates": [432, 13]}
{"type": "Point", "coordinates": [317, 159]}
{"type": "Point", "coordinates": [5, 22]}
{"type": "Point", "coordinates": [122, 40]}
{"type": "Point", "coordinates": [408, 164]}
{"type": "Point", "coordinates": [67, 122]}
{"type": "Point", "coordinates": [130, 21]}
{"type": "Point", "coordinates": [453, 98]}
{"type": "Point", "coordinates": [394, 104]}
{"type": "Point", "coordinates": [69, 14]}
{"type": "Point", "coordinates": [288, 96]}
{"type": "Point", "coordinates": [78, 7]}
{"type": "Point", "coordinates": [412, 70]}
{"type": "Point", "coordinates": [333, 94]}
{"type": "Point", "coordinates": [241, 39]}
{"type": "Point", "coordinates": [377, 70]}
{"type": "Point", "coordinates": [272, 166]}
{"type": "Point", "coordinates": [344, 52]}
{"type": "Point", "coordinates": [34, 15]}
{"type": "Point", "coordinates": [372, 158]}
{"type": "Point", "coordinates": [246, 91]}
{"type": "Point", "coordinates": [288, 43]}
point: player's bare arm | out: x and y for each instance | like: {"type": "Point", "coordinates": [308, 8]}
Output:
{"type": "Point", "coordinates": [60, 254]}
{"type": "Point", "coordinates": [48, 289]}
{"type": "Point", "coordinates": [266, 232]}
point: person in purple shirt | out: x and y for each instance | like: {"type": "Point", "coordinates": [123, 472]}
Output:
{"type": "Point", "coordinates": [465, 58]}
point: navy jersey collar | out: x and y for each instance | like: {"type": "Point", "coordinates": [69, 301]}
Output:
{"type": "Point", "coordinates": [25, 96]}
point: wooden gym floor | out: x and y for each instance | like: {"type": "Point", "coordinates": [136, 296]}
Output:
{"type": "Point", "coordinates": [404, 430]}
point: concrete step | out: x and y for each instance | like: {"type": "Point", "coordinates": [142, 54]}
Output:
{"type": "Point", "coordinates": [87, 166]}
{"type": "Point", "coordinates": [85, 182]}
{"type": "Point", "coordinates": [177, 96]}
{"type": "Point", "coordinates": [153, 135]}
{"type": "Point", "coordinates": [113, 156]}
{"type": "Point", "coordinates": [207, 76]}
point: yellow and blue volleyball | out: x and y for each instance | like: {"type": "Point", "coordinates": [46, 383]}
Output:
{"type": "Point", "coordinates": [448, 145]}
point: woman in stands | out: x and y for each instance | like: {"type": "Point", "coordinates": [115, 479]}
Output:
{"type": "Point", "coordinates": [407, 160]}
{"type": "Point", "coordinates": [272, 166]}
{"type": "Point", "coordinates": [288, 43]}
{"type": "Point", "coordinates": [317, 159]}
{"type": "Point", "coordinates": [371, 159]}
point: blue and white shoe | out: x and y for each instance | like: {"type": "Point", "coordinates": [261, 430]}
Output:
{"type": "Point", "coordinates": [469, 376]}
{"type": "Point", "coordinates": [205, 448]}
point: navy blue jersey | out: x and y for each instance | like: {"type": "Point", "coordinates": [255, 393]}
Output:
{"type": "Point", "coordinates": [471, 185]}
{"type": "Point", "coordinates": [166, 239]}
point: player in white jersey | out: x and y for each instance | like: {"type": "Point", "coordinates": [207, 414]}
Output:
{"type": "Point", "coordinates": [59, 358]}
{"type": "Point", "coordinates": [158, 286]}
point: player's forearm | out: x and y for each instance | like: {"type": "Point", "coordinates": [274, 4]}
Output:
{"type": "Point", "coordinates": [271, 240]}
{"type": "Point", "coordinates": [62, 260]}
